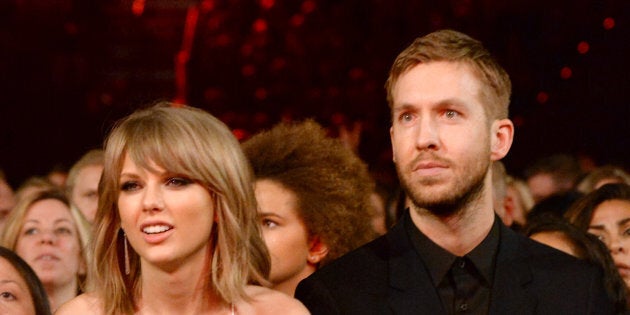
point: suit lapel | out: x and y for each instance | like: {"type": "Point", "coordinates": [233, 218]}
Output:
{"type": "Point", "coordinates": [512, 276]}
{"type": "Point", "coordinates": [411, 290]}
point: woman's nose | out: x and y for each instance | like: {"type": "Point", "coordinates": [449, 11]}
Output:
{"type": "Point", "coordinates": [152, 199]}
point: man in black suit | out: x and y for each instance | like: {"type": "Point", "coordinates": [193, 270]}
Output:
{"type": "Point", "coordinates": [450, 253]}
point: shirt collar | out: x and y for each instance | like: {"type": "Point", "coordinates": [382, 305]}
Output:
{"type": "Point", "coordinates": [438, 261]}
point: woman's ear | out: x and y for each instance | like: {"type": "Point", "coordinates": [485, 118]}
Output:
{"type": "Point", "coordinates": [82, 266]}
{"type": "Point", "coordinates": [317, 250]}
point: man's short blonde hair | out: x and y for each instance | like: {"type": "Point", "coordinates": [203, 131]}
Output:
{"type": "Point", "coordinates": [453, 46]}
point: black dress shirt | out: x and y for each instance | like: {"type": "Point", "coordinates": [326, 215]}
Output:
{"type": "Point", "coordinates": [462, 283]}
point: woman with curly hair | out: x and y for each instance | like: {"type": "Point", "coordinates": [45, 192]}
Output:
{"type": "Point", "coordinates": [314, 198]}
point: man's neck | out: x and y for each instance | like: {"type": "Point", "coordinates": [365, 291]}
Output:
{"type": "Point", "coordinates": [460, 232]}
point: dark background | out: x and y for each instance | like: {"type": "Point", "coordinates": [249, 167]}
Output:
{"type": "Point", "coordinates": [68, 69]}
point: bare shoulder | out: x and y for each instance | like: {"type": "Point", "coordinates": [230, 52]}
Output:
{"type": "Point", "coordinates": [86, 303]}
{"type": "Point", "coordinates": [268, 301]}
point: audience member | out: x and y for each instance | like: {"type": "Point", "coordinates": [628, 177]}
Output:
{"type": "Point", "coordinates": [449, 253]}
{"type": "Point", "coordinates": [51, 237]}
{"type": "Point", "coordinates": [555, 174]}
{"type": "Point", "coordinates": [82, 183]}
{"type": "Point", "coordinates": [177, 230]}
{"type": "Point", "coordinates": [602, 175]}
{"type": "Point", "coordinates": [7, 199]}
{"type": "Point", "coordinates": [518, 200]}
{"type": "Point", "coordinates": [560, 234]}
{"type": "Point", "coordinates": [314, 199]}
{"type": "Point", "coordinates": [33, 185]}
{"type": "Point", "coordinates": [499, 193]}
{"type": "Point", "coordinates": [380, 201]}
{"type": "Point", "coordinates": [58, 176]}
{"type": "Point", "coordinates": [605, 213]}
{"type": "Point", "coordinates": [556, 205]}
{"type": "Point", "coordinates": [21, 292]}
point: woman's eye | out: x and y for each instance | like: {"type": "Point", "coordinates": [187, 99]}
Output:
{"type": "Point", "coordinates": [129, 186]}
{"type": "Point", "coordinates": [31, 231]}
{"type": "Point", "coordinates": [63, 230]}
{"type": "Point", "coordinates": [269, 223]}
{"type": "Point", "coordinates": [7, 296]}
{"type": "Point", "coordinates": [178, 181]}
{"type": "Point", "coordinates": [91, 195]}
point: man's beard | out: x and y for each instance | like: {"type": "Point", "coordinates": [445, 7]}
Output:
{"type": "Point", "coordinates": [450, 203]}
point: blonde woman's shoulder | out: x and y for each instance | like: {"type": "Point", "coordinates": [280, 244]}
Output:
{"type": "Point", "coordinates": [268, 301]}
{"type": "Point", "coordinates": [86, 303]}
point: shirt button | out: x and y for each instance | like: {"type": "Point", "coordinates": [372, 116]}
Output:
{"type": "Point", "coordinates": [463, 307]}
{"type": "Point", "coordinates": [462, 263]}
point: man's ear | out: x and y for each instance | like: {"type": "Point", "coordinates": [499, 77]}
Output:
{"type": "Point", "coordinates": [317, 250]}
{"type": "Point", "coordinates": [502, 135]}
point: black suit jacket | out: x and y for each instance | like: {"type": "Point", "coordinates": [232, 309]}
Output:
{"type": "Point", "coordinates": [386, 276]}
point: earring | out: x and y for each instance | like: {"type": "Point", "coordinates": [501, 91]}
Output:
{"type": "Point", "coordinates": [312, 259]}
{"type": "Point", "coordinates": [127, 269]}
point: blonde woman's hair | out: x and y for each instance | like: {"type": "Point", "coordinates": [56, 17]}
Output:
{"type": "Point", "coordinates": [15, 222]}
{"type": "Point", "coordinates": [92, 157]}
{"type": "Point", "coordinates": [603, 175]}
{"type": "Point", "coordinates": [191, 142]}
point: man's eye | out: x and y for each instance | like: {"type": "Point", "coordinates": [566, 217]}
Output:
{"type": "Point", "coordinates": [451, 114]}
{"type": "Point", "coordinates": [406, 117]}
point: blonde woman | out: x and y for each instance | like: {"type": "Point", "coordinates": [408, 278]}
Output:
{"type": "Point", "coordinates": [51, 237]}
{"type": "Point", "coordinates": [177, 229]}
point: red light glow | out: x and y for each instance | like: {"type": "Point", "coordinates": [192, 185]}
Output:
{"type": "Point", "coordinates": [297, 20]}
{"type": "Point", "coordinates": [260, 93]}
{"type": "Point", "coordinates": [583, 47]}
{"type": "Point", "coordinates": [308, 6]}
{"type": "Point", "coordinates": [260, 25]}
{"type": "Point", "coordinates": [609, 23]}
{"type": "Point", "coordinates": [566, 73]}
{"type": "Point", "coordinates": [248, 70]}
{"type": "Point", "coordinates": [137, 7]}
{"type": "Point", "coordinates": [240, 134]}
{"type": "Point", "coordinates": [542, 97]}
{"type": "Point", "coordinates": [267, 4]}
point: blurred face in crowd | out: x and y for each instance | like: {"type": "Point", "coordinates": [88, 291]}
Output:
{"type": "Point", "coordinates": [542, 186]}
{"type": "Point", "coordinates": [611, 223]}
{"type": "Point", "coordinates": [85, 190]}
{"type": "Point", "coordinates": [49, 243]}
{"type": "Point", "coordinates": [15, 298]}
{"type": "Point", "coordinates": [514, 201]}
{"type": "Point", "coordinates": [285, 234]}
{"type": "Point", "coordinates": [7, 201]}
{"type": "Point", "coordinates": [441, 136]}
